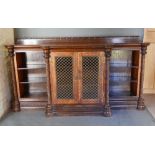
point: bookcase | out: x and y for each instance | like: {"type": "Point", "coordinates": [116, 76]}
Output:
{"type": "Point", "coordinates": [78, 75]}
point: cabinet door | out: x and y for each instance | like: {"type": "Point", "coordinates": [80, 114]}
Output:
{"type": "Point", "coordinates": [91, 77]}
{"type": "Point", "coordinates": [63, 77]}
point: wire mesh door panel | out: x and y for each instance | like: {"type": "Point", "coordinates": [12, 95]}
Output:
{"type": "Point", "coordinates": [91, 78]}
{"type": "Point", "coordinates": [63, 77]}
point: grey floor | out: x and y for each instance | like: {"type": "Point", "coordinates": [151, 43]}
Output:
{"type": "Point", "coordinates": [120, 117]}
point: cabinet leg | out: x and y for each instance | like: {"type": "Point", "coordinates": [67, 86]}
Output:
{"type": "Point", "coordinates": [107, 111]}
{"type": "Point", "coordinates": [140, 104]}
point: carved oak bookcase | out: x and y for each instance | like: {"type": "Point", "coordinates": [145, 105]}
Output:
{"type": "Point", "coordinates": [78, 76]}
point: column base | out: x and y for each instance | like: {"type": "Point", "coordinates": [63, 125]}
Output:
{"type": "Point", "coordinates": [16, 106]}
{"type": "Point", "coordinates": [140, 104]}
{"type": "Point", "coordinates": [54, 113]}
{"type": "Point", "coordinates": [48, 110]}
{"type": "Point", "coordinates": [107, 111]}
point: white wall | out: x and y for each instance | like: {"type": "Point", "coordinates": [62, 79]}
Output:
{"type": "Point", "coordinates": [75, 32]}
{"type": "Point", "coordinates": [6, 37]}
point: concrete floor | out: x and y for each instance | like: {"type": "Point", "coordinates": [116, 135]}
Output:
{"type": "Point", "coordinates": [120, 117]}
{"type": "Point", "coordinates": [150, 103]}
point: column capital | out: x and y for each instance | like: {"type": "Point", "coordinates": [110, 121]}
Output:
{"type": "Point", "coordinates": [10, 50]}
{"type": "Point", "coordinates": [46, 50]}
{"type": "Point", "coordinates": [144, 48]}
{"type": "Point", "coordinates": [107, 51]}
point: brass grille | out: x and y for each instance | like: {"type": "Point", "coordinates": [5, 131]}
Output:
{"type": "Point", "coordinates": [64, 75]}
{"type": "Point", "coordinates": [90, 73]}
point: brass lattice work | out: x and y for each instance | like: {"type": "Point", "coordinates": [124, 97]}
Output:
{"type": "Point", "coordinates": [90, 73]}
{"type": "Point", "coordinates": [64, 75]}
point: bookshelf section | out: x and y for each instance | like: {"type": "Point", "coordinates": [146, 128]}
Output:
{"type": "Point", "coordinates": [124, 67]}
{"type": "Point", "coordinates": [31, 75]}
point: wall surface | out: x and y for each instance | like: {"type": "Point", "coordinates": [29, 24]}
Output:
{"type": "Point", "coordinates": [149, 75]}
{"type": "Point", "coordinates": [6, 37]}
{"type": "Point", "coordinates": [76, 32]}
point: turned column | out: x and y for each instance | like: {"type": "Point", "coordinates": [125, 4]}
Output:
{"type": "Point", "coordinates": [140, 104]}
{"type": "Point", "coordinates": [107, 109]}
{"type": "Point", "coordinates": [16, 103]}
{"type": "Point", "coordinates": [49, 107]}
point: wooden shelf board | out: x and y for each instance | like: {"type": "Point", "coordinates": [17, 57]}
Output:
{"type": "Point", "coordinates": [122, 82]}
{"type": "Point", "coordinates": [30, 68]}
{"type": "Point", "coordinates": [32, 82]}
{"type": "Point", "coordinates": [34, 97]}
{"type": "Point", "coordinates": [124, 67]}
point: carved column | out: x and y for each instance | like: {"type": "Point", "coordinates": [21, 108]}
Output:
{"type": "Point", "coordinates": [49, 103]}
{"type": "Point", "coordinates": [16, 103]}
{"type": "Point", "coordinates": [107, 109]}
{"type": "Point", "coordinates": [140, 104]}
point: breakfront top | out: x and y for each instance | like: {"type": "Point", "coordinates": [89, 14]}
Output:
{"type": "Point", "coordinates": [82, 42]}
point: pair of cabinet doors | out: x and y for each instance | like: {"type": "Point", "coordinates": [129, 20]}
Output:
{"type": "Point", "coordinates": [77, 76]}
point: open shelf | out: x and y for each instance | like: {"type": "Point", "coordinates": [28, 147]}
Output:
{"type": "Point", "coordinates": [124, 67]}
{"type": "Point", "coordinates": [32, 78]}
{"type": "Point", "coordinates": [35, 96]}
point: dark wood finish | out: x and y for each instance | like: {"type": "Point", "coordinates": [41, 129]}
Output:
{"type": "Point", "coordinates": [54, 55]}
{"type": "Point", "coordinates": [76, 49]}
{"type": "Point", "coordinates": [49, 105]}
{"type": "Point", "coordinates": [78, 109]}
{"type": "Point", "coordinates": [16, 103]}
{"type": "Point", "coordinates": [71, 41]}
{"type": "Point", "coordinates": [107, 109]}
{"type": "Point", "coordinates": [135, 73]}
{"type": "Point", "coordinates": [31, 76]}
{"type": "Point", "coordinates": [140, 104]}
{"type": "Point", "coordinates": [101, 68]}
{"type": "Point", "coordinates": [80, 42]}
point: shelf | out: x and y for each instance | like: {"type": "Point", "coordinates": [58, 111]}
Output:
{"type": "Point", "coordinates": [37, 96]}
{"type": "Point", "coordinates": [34, 82]}
{"type": "Point", "coordinates": [114, 82]}
{"type": "Point", "coordinates": [37, 75]}
{"type": "Point", "coordinates": [119, 76]}
{"type": "Point", "coordinates": [120, 81]}
{"type": "Point", "coordinates": [31, 68]}
{"type": "Point", "coordinates": [35, 63]}
{"type": "Point", "coordinates": [119, 93]}
{"type": "Point", "coordinates": [125, 67]}
{"type": "Point", "coordinates": [124, 70]}
{"type": "Point", "coordinates": [34, 77]}
{"type": "Point", "coordinates": [38, 90]}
